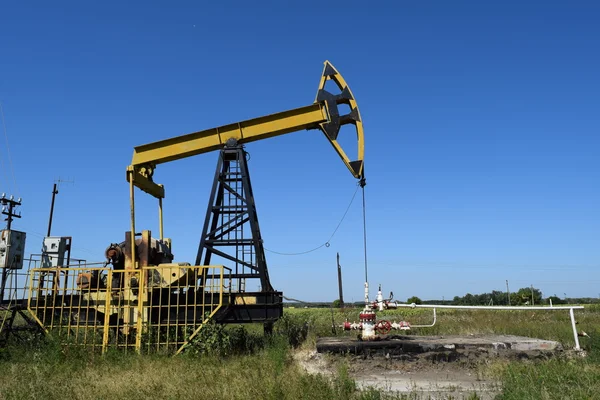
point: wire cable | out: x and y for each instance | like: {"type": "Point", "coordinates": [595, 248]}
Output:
{"type": "Point", "coordinates": [295, 300]}
{"type": "Point", "coordinates": [362, 184]}
{"type": "Point", "coordinates": [327, 243]}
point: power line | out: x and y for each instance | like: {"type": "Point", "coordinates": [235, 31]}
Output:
{"type": "Point", "coordinates": [327, 243]}
{"type": "Point", "coordinates": [525, 268]}
{"type": "Point", "coordinates": [458, 267]}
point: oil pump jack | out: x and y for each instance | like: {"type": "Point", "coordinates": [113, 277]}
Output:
{"type": "Point", "coordinates": [139, 298]}
{"type": "Point", "coordinates": [231, 229]}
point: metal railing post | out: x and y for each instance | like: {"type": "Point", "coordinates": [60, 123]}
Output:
{"type": "Point", "coordinates": [107, 309]}
{"type": "Point", "coordinates": [572, 314]}
{"type": "Point", "coordinates": [140, 309]}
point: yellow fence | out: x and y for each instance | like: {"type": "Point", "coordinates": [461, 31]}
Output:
{"type": "Point", "coordinates": [11, 302]}
{"type": "Point", "coordinates": [152, 309]}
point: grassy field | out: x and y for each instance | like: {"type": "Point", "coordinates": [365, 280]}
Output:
{"type": "Point", "coordinates": [564, 377]}
{"type": "Point", "coordinates": [551, 325]}
{"type": "Point", "coordinates": [240, 364]}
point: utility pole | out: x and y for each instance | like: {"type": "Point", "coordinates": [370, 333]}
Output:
{"type": "Point", "coordinates": [54, 193]}
{"type": "Point", "coordinates": [507, 292]}
{"type": "Point", "coordinates": [9, 212]}
{"type": "Point", "coordinates": [8, 207]}
{"type": "Point", "coordinates": [339, 271]}
{"type": "Point", "coordinates": [532, 301]}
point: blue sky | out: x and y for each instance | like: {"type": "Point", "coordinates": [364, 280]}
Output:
{"type": "Point", "coordinates": [481, 122]}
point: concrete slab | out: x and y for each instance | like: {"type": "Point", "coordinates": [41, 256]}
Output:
{"type": "Point", "coordinates": [393, 345]}
{"type": "Point", "coordinates": [430, 384]}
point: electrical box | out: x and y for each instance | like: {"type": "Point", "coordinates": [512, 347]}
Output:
{"type": "Point", "coordinates": [12, 249]}
{"type": "Point", "coordinates": [54, 249]}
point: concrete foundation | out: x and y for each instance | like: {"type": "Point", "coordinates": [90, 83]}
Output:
{"type": "Point", "coordinates": [396, 345]}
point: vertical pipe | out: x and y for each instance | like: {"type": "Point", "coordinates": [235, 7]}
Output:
{"type": "Point", "coordinates": [160, 219]}
{"type": "Point", "coordinates": [574, 329]}
{"type": "Point", "coordinates": [132, 207]}
{"type": "Point", "coordinates": [427, 326]}
{"type": "Point", "coordinates": [68, 263]}
{"type": "Point", "coordinates": [138, 337]}
{"type": "Point", "coordinates": [221, 289]}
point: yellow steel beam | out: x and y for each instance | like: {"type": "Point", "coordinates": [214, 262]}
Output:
{"type": "Point", "coordinates": [145, 183]}
{"type": "Point", "coordinates": [244, 132]}
{"type": "Point", "coordinates": [323, 114]}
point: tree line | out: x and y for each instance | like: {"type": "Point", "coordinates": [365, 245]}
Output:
{"type": "Point", "coordinates": [523, 296]}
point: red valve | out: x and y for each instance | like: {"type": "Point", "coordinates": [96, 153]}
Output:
{"type": "Point", "coordinates": [383, 327]}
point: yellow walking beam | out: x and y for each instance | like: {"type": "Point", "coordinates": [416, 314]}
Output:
{"type": "Point", "coordinates": [322, 114]}
{"type": "Point", "coordinates": [244, 132]}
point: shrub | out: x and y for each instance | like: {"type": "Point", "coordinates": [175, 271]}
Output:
{"type": "Point", "coordinates": [293, 328]}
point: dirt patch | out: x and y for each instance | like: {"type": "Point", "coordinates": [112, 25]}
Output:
{"type": "Point", "coordinates": [315, 363]}
{"type": "Point", "coordinates": [418, 375]}
{"type": "Point", "coordinates": [431, 367]}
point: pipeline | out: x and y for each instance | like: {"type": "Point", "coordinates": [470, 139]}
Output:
{"type": "Point", "coordinates": [380, 327]}
{"type": "Point", "coordinates": [371, 327]}
{"type": "Point", "coordinates": [368, 323]}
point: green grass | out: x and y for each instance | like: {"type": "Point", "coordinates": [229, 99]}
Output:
{"type": "Point", "coordinates": [49, 373]}
{"type": "Point", "coordinates": [552, 379]}
{"type": "Point", "coordinates": [565, 377]}
{"type": "Point", "coordinates": [241, 364]}
{"type": "Point", "coordinates": [550, 325]}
